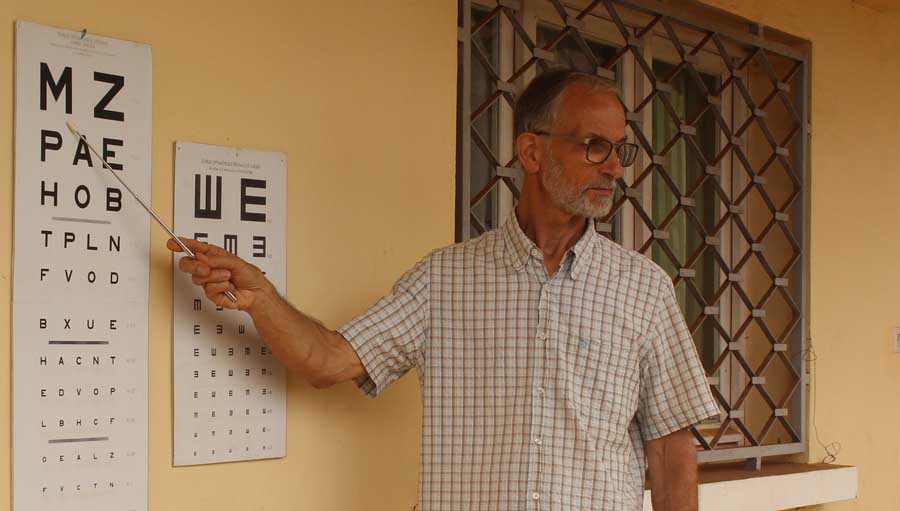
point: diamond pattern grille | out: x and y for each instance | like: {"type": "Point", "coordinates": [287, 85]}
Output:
{"type": "Point", "coordinates": [731, 236]}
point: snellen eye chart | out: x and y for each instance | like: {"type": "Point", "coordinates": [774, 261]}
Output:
{"type": "Point", "coordinates": [229, 389]}
{"type": "Point", "coordinates": [81, 267]}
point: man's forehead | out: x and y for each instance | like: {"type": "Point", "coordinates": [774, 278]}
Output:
{"type": "Point", "coordinates": [587, 111]}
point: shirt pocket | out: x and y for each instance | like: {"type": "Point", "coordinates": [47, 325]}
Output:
{"type": "Point", "coordinates": [605, 379]}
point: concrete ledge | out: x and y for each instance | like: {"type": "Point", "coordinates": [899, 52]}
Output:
{"type": "Point", "coordinates": [775, 487]}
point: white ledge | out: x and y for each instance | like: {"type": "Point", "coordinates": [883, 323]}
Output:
{"type": "Point", "coordinates": [776, 487]}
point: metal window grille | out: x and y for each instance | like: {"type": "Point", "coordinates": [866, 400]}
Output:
{"type": "Point", "coordinates": [718, 196]}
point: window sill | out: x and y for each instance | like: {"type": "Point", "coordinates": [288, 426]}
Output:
{"type": "Point", "coordinates": [776, 486]}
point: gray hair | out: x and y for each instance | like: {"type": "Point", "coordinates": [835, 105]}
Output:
{"type": "Point", "coordinates": [537, 107]}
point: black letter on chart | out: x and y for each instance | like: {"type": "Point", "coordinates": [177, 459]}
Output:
{"type": "Point", "coordinates": [46, 136]}
{"type": "Point", "coordinates": [113, 199]}
{"type": "Point", "coordinates": [259, 246]}
{"type": "Point", "coordinates": [231, 243]}
{"type": "Point", "coordinates": [100, 111]}
{"type": "Point", "coordinates": [247, 216]}
{"type": "Point", "coordinates": [209, 211]}
{"type": "Point", "coordinates": [47, 193]}
{"type": "Point", "coordinates": [109, 154]}
{"type": "Point", "coordinates": [65, 82]}
{"type": "Point", "coordinates": [82, 153]}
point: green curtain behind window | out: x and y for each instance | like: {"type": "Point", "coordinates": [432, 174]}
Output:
{"type": "Point", "coordinates": [684, 170]}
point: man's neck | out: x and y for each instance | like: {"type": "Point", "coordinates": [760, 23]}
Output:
{"type": "Point", "coordinates": [552, 230]}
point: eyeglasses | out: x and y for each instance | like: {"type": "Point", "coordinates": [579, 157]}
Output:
{"type": "Point", "coordinates": [598, 149]}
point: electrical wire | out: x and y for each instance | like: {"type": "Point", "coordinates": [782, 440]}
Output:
{"type": "Point", "coordinates": [834, 448]}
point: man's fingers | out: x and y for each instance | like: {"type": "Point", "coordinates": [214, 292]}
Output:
{"type": "Point", "coordinates": [197, 247]}
{"type": "Point", "coordinates": [215, 288]}
{"type": "Point", "coordinates": [213, 250]}
{"type": "Point", "coordinates": [217, 275]}
{"type": "Point", "coordinates": [193, 266]}
{"type": "Point", "coordinates": [223, 301]}
{"type": "Point", "coordinates": [222, 259]}
{"type": "Point", "coordinates": [171, 245]}
{"type": "Point", "coordinates": [209, 254]}
{"type": "Point", "coordinates": [215, 292]}
{"type": "Point", "coordinates": [211, 267]}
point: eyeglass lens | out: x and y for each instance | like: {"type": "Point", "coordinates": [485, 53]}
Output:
{"type": "Point", "coordinates": [599, 150]}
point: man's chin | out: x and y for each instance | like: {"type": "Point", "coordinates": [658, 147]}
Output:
{"type": "Point", "coordinates": [596, 206]}
{"type": "Point", "coordinates": [591, 211]}
{"type": "Point", "coordinates": [599, 210]}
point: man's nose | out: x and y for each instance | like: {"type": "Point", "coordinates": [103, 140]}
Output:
{"type": "Point", "coordinates": [612, 167]}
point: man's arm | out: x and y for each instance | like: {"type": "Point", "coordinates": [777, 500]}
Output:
{"type": "Point", "coordinates": [673, 472]}
{"type": "Point", "coordinates": [322, 356]}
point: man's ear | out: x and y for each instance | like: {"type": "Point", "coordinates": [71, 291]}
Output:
{"type": "Point", "coordinates": [529, 149]}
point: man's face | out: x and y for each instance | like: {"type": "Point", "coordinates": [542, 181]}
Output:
{"type": "Point", "coordinates": [574, 184]}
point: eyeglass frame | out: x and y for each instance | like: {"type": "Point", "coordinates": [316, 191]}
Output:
{"type": "Point", "coordinates": [587, 145]}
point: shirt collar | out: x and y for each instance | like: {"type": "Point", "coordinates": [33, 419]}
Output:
{"type": "Point", "coordinates": [584, 250]}
{"type": "Point", "coordinates": [521, 247]}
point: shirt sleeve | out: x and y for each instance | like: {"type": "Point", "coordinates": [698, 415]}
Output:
{"type": "Point", "coordinates": [674, 391]}
{"type": "Point", "coordinates": [388, 337]}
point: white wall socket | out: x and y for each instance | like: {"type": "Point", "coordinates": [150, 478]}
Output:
{"type": "Point", "coordinates": [896, 339]}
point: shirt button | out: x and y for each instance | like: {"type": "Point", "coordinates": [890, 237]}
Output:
{"type": "Point", "coordinates": [538, 441]}
{"type": "Point", "coordinates": [542, 335]}
{"type": "Point", "coordinates": [540, 391]}
{"type": "Point", "coordinates": [535, 495]}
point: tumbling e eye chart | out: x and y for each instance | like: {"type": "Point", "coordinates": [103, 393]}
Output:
{"type": "Point", "coordinates": [229, 388]}
{"type": "Point", "coordinates": [81, 269]}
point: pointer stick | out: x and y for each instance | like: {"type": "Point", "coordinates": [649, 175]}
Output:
{"type": "Point", "coordinates": [162, 224]}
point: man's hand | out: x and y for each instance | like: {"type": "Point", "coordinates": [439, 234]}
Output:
{"type": "Point", "coordinates": [218, 270]}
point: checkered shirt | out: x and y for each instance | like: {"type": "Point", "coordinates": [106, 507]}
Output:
{"type": "Point", "coordinates": [538, 392]}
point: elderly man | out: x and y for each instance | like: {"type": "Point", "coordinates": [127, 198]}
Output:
{"type": "Point", "coordinates": [555, 365]}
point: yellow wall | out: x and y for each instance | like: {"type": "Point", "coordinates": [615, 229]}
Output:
{"type": "Point", "coordinates": [313, 73]}
{"type": "Point", "coordinates": [304, 78]}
